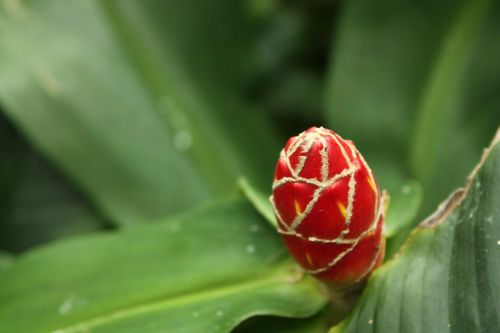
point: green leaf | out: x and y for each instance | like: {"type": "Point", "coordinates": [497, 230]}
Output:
{"type": "Point", "coordinates": [136, 101]}
{"type": "Point", "coordinates": [447, 276]}
{"type": "Point", "coordinates": [259, 200]}
{"type": "Point", "coordinates": [413, 84]}
{"type": "Point", "coordinates": [203, 272]}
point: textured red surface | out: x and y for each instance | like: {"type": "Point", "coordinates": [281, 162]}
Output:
{"type": "Point", "coordinates": [328, 207]}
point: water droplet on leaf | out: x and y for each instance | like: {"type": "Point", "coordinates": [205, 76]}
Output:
{"type": "Point", "coordinates": [250, 248]}
{"type": "Point", "coordinates": [183, 140]}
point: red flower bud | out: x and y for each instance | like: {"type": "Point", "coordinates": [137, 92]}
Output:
{"type": "Point", "coordinates": [328, 206]}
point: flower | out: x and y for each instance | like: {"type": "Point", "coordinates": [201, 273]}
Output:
{"type": "Point", "coordinates": [329, 208]}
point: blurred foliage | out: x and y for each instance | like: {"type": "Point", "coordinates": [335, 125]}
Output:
{"type": "Point", "coordinates": [133, 63]}
{"type": "Point", "coordinates": [292, 48]}
{"type": "Point", "coordinates": [5, 261]}
{"type": "Point", "coordinates": [404, 84]}
{"type": "Point", "coordinates": [38, 204]}
{"type": "Point", "coordinates": [412, 83]}
{"type": "Point", "coordinates": [117, 113]}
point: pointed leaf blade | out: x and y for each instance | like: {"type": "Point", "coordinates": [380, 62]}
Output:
{"type": "Point", "coordinates": [447, 276]}
{"type": "Point", "coordinates": [202, 272]}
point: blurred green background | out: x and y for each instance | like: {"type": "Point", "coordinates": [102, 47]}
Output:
{"type": "Point", "coordinates": [117, 114]}
{"type": "Point", "coordinates": [120, 112]}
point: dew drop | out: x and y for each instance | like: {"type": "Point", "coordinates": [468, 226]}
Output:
{"type": "Point", "coordinates": [406, 189]}
{"type": "Point", "coordinates": [219, 313]}
{"type": "Point", "coordinates": [250, 248]}
{"type": "Point", "coordinates": [183, 140]}
{"type": "Point", "coordinates": [65, 307]}
{"type": "Point", "coordinates": [174, 227]}
{"type": "Point", "coordinates": [370, 322]}
{"type": "Point", "coordinates": [254, 228]}
{"type": "Point", "coordinates": [69, 304]}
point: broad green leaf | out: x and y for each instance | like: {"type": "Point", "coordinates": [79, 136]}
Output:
{"type": "Point", "coordinates": [203, 272]}
{"type": "Point", "coordinates": [137, 101]}
{"type": "Point", "coordinates": [259, 200]}
{"type": "Point", "coordinates": [37, 204]}
{"type": "Point", "coordinates": [447, 276]}
{"type": "Point", "coordinates": [412, 83]}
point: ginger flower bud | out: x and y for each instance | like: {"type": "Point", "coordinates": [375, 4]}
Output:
{"type": "Point", "coordinates": [329, 208]}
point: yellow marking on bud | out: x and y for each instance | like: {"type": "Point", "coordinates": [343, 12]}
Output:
{"type": "Point", "coordinates": [342, 209]}
{"type": "Point", "coordinates": [309, 260]}
{"type": "Point", "coordinates": [371, 182]}
{"type": "Point", "coordinates": [298, 209]}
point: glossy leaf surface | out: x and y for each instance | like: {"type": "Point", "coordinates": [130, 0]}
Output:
{"type": "Point", "coordinates": [203, 272]}
{"type": "Point", "coordinates": [447, 276]}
